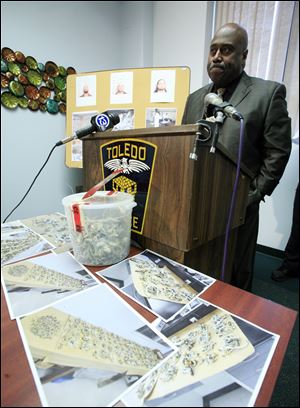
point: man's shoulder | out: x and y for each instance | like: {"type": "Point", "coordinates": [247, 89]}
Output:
{"type": "Point", "coordinates": [199, 93]}
{"type": "Point", "coordinates": [262, 83]}
{"type": "Point", "coordinates": [256, 83]}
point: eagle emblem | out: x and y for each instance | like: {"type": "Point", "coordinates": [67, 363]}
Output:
{"type": "Point", "coordinates": [126, 165]}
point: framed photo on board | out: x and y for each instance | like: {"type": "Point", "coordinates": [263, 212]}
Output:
{"type": "Point", "coordinates": [162, 85]}
{"type": "Point", "coordinates": [86, 90]}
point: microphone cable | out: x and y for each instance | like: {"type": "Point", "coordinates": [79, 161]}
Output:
{"type": "Point", "coordinates": [233, 199]}
{"type": "Point", "coordinates": [31, 184]}
{"type": "Point", "coordinates": [100, 122]}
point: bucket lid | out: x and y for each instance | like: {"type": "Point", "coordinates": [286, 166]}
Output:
{"type": "Point", "coordinates": [100, 199]}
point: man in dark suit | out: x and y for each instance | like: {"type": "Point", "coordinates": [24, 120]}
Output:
{"type": "Point", "coordinates": [267, 137]}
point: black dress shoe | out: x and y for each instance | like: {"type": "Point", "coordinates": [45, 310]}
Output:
{"type": "Point", "coordinates": [280, 275]}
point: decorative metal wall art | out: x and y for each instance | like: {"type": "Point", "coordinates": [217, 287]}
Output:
{"type": "Point", "coordinates": [26, 83]}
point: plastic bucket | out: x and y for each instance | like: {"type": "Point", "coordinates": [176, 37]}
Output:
{"type": "Point", "coordinates": [100, 226]}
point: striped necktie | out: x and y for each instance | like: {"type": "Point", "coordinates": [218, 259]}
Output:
{"type": "Point", "coordinates": [220, 92]}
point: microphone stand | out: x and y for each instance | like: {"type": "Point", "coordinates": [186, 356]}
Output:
{"type": "Point", "coordinates": [202, 135]}
{"type": "Point", "coordinates": [219, 115]}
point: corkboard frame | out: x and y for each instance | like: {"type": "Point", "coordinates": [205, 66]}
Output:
{"type": "Point", "coordinates": [142, 84]}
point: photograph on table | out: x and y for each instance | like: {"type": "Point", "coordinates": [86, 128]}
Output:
{"type": "Point", "coordinates": [161, 285]}
{"type": "Point", "coordinates": [157, 117]}
{"type": "Point", "coordinates": [221, 361]}
{"type": "Point", "coordinates": [54, 228]}
{"type": "Point", "coordinates": [41, 281]}
{"type": "Point", "coordinates": [87, 350]}
{"type": "Point", "coordinates": [20, 242]}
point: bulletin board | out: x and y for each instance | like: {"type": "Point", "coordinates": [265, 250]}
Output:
{"type": "Point", "coordinates": [143, 97]}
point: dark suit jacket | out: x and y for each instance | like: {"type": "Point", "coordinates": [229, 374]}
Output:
{"type": "Point", "coordinates": [267, 137]}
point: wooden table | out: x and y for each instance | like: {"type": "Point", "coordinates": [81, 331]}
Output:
{"type": "Point", "coordinates": [17, 384]}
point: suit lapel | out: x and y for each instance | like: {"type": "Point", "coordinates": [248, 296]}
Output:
{"type": "Point", "coordinates": [242, 90]}
{"type": "Point", "coordinates": [206, 90]}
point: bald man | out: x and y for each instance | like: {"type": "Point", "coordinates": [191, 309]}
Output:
{"type": "Point", "coordinates": [267, 137]}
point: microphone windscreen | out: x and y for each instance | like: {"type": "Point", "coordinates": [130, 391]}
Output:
{"type": "Point", "coordinates": [212, 99]}
{"type": "Point", "coordinates": [114, 117]}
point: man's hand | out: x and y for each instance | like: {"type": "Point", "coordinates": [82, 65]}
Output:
{"type": "Point", "coordinates": [254, 197]}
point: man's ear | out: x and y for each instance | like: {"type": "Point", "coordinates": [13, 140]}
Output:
{"type": "Point", "coordinates": [245, 54]}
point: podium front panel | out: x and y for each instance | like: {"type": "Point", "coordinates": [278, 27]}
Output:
{"type": "Point", "coordinates": [188, 202]}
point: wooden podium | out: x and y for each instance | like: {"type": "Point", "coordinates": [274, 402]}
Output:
{"type": "Point", "coordinates": [189, 200]}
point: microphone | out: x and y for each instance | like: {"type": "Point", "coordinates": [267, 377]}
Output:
{"type": "Point", "coordinates": [229, 110]}
{"type": "Point", "coordinates": [99, 123]}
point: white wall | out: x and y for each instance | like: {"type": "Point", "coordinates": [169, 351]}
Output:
{"type": "Point", "coordinates": [276, 213]}
{"type": "Point", "coordinates": [82, 34]}
{"type": "Point", "coordinates": [181, 34]}
{"type": "Point", "coordinates": [136, 40]}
